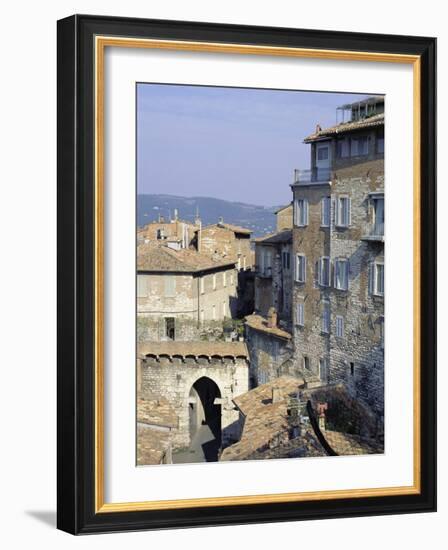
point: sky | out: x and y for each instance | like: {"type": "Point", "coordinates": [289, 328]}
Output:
{"type": "Point", "coordinates": [229, 143]}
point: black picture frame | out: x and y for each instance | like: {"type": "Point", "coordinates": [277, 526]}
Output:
{"type": "Point", "coordinates": [76, 256]}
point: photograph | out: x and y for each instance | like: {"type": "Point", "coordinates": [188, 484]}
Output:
{"type": "Point", "coordinates": [260, 284]}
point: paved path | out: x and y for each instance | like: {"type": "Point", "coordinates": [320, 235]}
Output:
{"type": "Point", "coordinates": [203, 448]}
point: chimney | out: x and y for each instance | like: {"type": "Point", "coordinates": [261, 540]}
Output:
{"type": "Point", "coordinates": [220, 220]}
{"type": "Point", "coordinates": [318, 128]}
{"type": "Point", "coordinates": [272, 317]}
{"type": "Point", "coordinates": [276, 395]}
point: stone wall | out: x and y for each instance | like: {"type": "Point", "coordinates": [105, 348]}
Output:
{"type": "Point", "coordinates": [270, 357]}
{"type": "Point", "coordinates": [357, 358]}
{"type": "Point", "coordinates": [174, 377]}
{"type": "Point", "coordinates": [284, 218]}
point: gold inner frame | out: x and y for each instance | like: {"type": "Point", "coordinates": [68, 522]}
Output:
{"type": "Point", "coordinates": [101, 42]}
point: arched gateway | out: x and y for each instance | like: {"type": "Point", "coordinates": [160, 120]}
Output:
{"type": "Point", "coordinates": [199, 380]}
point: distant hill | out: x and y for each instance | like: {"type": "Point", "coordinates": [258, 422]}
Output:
{"type": "Point", "coordinates": [258, 218]}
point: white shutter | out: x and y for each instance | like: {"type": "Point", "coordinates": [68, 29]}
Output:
{"type": "Point", "coordinates": [349, 213]}
{"type": "Point", "coordinates": [371, 278]}
{"type": "Point", "coordinates": [305, 212]}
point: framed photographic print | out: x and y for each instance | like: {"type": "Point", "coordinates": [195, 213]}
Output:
{"type": "Point", "coordinates": [246, 271]}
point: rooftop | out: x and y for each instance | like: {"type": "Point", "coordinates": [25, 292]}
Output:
{"type": "Point", "coordinates": [194, 349]}
{"type": "Point", "coordinates": [258, 322]}
{"type": "Point", "coordinates": [283, 208]}
{"type": "Point", "coordinates": [151, 258]}
{"type": "Point", "coordinates": [156, 411]}
{"type": "Point", "coordinates": [151, 445]}
{"type": "Point", "coordinates": [230, 227]}
{"type": "Point", "coordinates": [264, 419]}
{"type": "Point", "coordinates": [369, 122]}
{"type": "Point", "coordinates": [282, 237]}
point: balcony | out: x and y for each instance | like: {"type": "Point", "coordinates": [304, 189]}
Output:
{"type": "Point", "coordinates": [375, 234]}
{"type": "Point", "coordinates": [312, 176]}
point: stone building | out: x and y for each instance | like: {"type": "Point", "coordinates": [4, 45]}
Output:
{"type": "Point", "coordinates": [284, 217]}
{"type": "Point", "coordinates": [199, 381]}
{"type": "Point", "coordinates": [182, 294]}
{"type": "Point", "coordinates": [268, 329]}
{"type": "Point", "coordinates": [229, 241]}
{"type": "Point", "coordinates": [338, 249]}
{"type": "Point", "coordinates": [173, 233]}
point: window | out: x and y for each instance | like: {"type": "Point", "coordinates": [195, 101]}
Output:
{"type": "Point", "coordinates": [352, 369]}
{"type": "Point", "coordinates": [300, 268]}
{"type": "Point", "coordinates": [359, 146]}
{"type": "Point", "coordinates": [170, 285]}
{"type": "Point", "coordinates": [301, 212]}
{"type": "Point", "coordinates": [326, 318]}
{"type": "Point", "coordinates": [325, 211]}
{"type": "Point", "coordinates": [323, 271]}
{"type": "Point", "coordinates": [343, 212]}
{"type": "Point", "coordinates": [170, 328]}
{"type": "Point", "coordinates": [286, 260]}
{"type": "Point", "coordinates": [322, 368]}
{"type": "Point", "coordinates": [339, 326]}
{"type": "Point", "coordinates": [142, 286]}
{"type": "Point", "coordinates": [322, 153]}
{"type": "Point", "coordinates": [214, 282]}
{"type": "Point", "coordinates": [341, 274]}
{"type": "Point", "coordinates": [380, 145]}
{"type": "Point", "coordinates": [300, 314]}
{"type": "Point", "coordinates": [378, 216]}
{"type": "Point", "coordinates": [377, 279]}
{"type": "Point", "coordinates": [267, 262]}
{"type": "Point", "coordinates": [224, 279]}
{"type": "Point", "coordinates": [343, 148]}
{"type": "Point", "coordinates": [306, 362]}
{"type": "Point", "coordinates": [202, 285]}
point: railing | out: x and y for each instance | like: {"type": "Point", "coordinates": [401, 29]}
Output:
{"type": "Point", "coordinates": [376, 232]}
{"type": "Point", "coordinates": [313, 175]}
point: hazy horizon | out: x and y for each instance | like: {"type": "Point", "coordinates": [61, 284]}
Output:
{"type": "Point", "coordinates": [235, 144]}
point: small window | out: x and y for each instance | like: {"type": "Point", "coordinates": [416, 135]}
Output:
{"type": "Point", "coordinates": [170, 328]}
{"type": "Point", "coordinates": [170, 286]}
{"type": "Point", "coordinates": [323, 271]}
{"type": "Point", "coordinates": [267, 263]}
{"type": "Point", "coordinates": [343, 212]}
{"type": "Point", "coordinates": [322, 368]}
{"type": "Point", "coordinates": [377, 279]}
{"type": "Point", "coordinates": [359, 146]}
{"type": "Point", "coordinates": [322, 153]}
{"type": "Point", "coordinates": [286, 260]}
{"type": "Point", "coordinates": [301, 212]}
{"type": "Point", "coordinates": [306, 362]}
{"type": "Point", "coordinates": [352, 369]}
{"type": "Point", "coordinates": [325, 211]}
{"type": "Point", "coordinates": [343, 148]}
{"type": "Point", "coordinates": [339, 326]}
{"type": "Point", "coordinates": [300, 268]}
{"type": "Point", "coordinates": [326, 318]}
{"type": "Point", "coordinates": [142, 286]}
{"type": "Point", "coordinates": [341, 274]}
{"type": "Point", "coordinates": [300, 314]}
{"type": "Point", "coordinates": [378, 216]}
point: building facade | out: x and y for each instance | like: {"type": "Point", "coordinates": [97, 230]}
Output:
{"type": "Point", "coordinates": [182, 294]}
{"type": "Point", "coordinates": [338, 249]}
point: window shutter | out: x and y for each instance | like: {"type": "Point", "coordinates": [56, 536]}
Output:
{"type": "Point", "coordinates": [305, 212]}
{"type": "Point", "coordinates": [349, 213]}
{"type": "Point", "coordinates": [371, 278]}
{"type": "Point", "coordinates": [304, 268]}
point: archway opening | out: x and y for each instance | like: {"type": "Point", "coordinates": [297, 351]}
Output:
{"type": "Point", "coordinates": [205, 418]}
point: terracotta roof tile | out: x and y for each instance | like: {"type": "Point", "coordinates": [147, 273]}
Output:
{"type": "Point", "coordinates": [258, 322]}
{"type": "Point", "coordinates": [194, 348]}
{"type": "Point", "coordinates": [375, 120]}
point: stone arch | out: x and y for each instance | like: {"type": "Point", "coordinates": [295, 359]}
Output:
{"type": "Point", "coordinates": [204, 410]}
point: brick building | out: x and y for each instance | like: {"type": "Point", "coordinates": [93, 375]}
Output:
{"type": "Point", "coordinates": [229, 241]}
{"type": "Point", "coordinates": [338, 249]}
{"type": "Point", "coordinates": [173, 233]}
